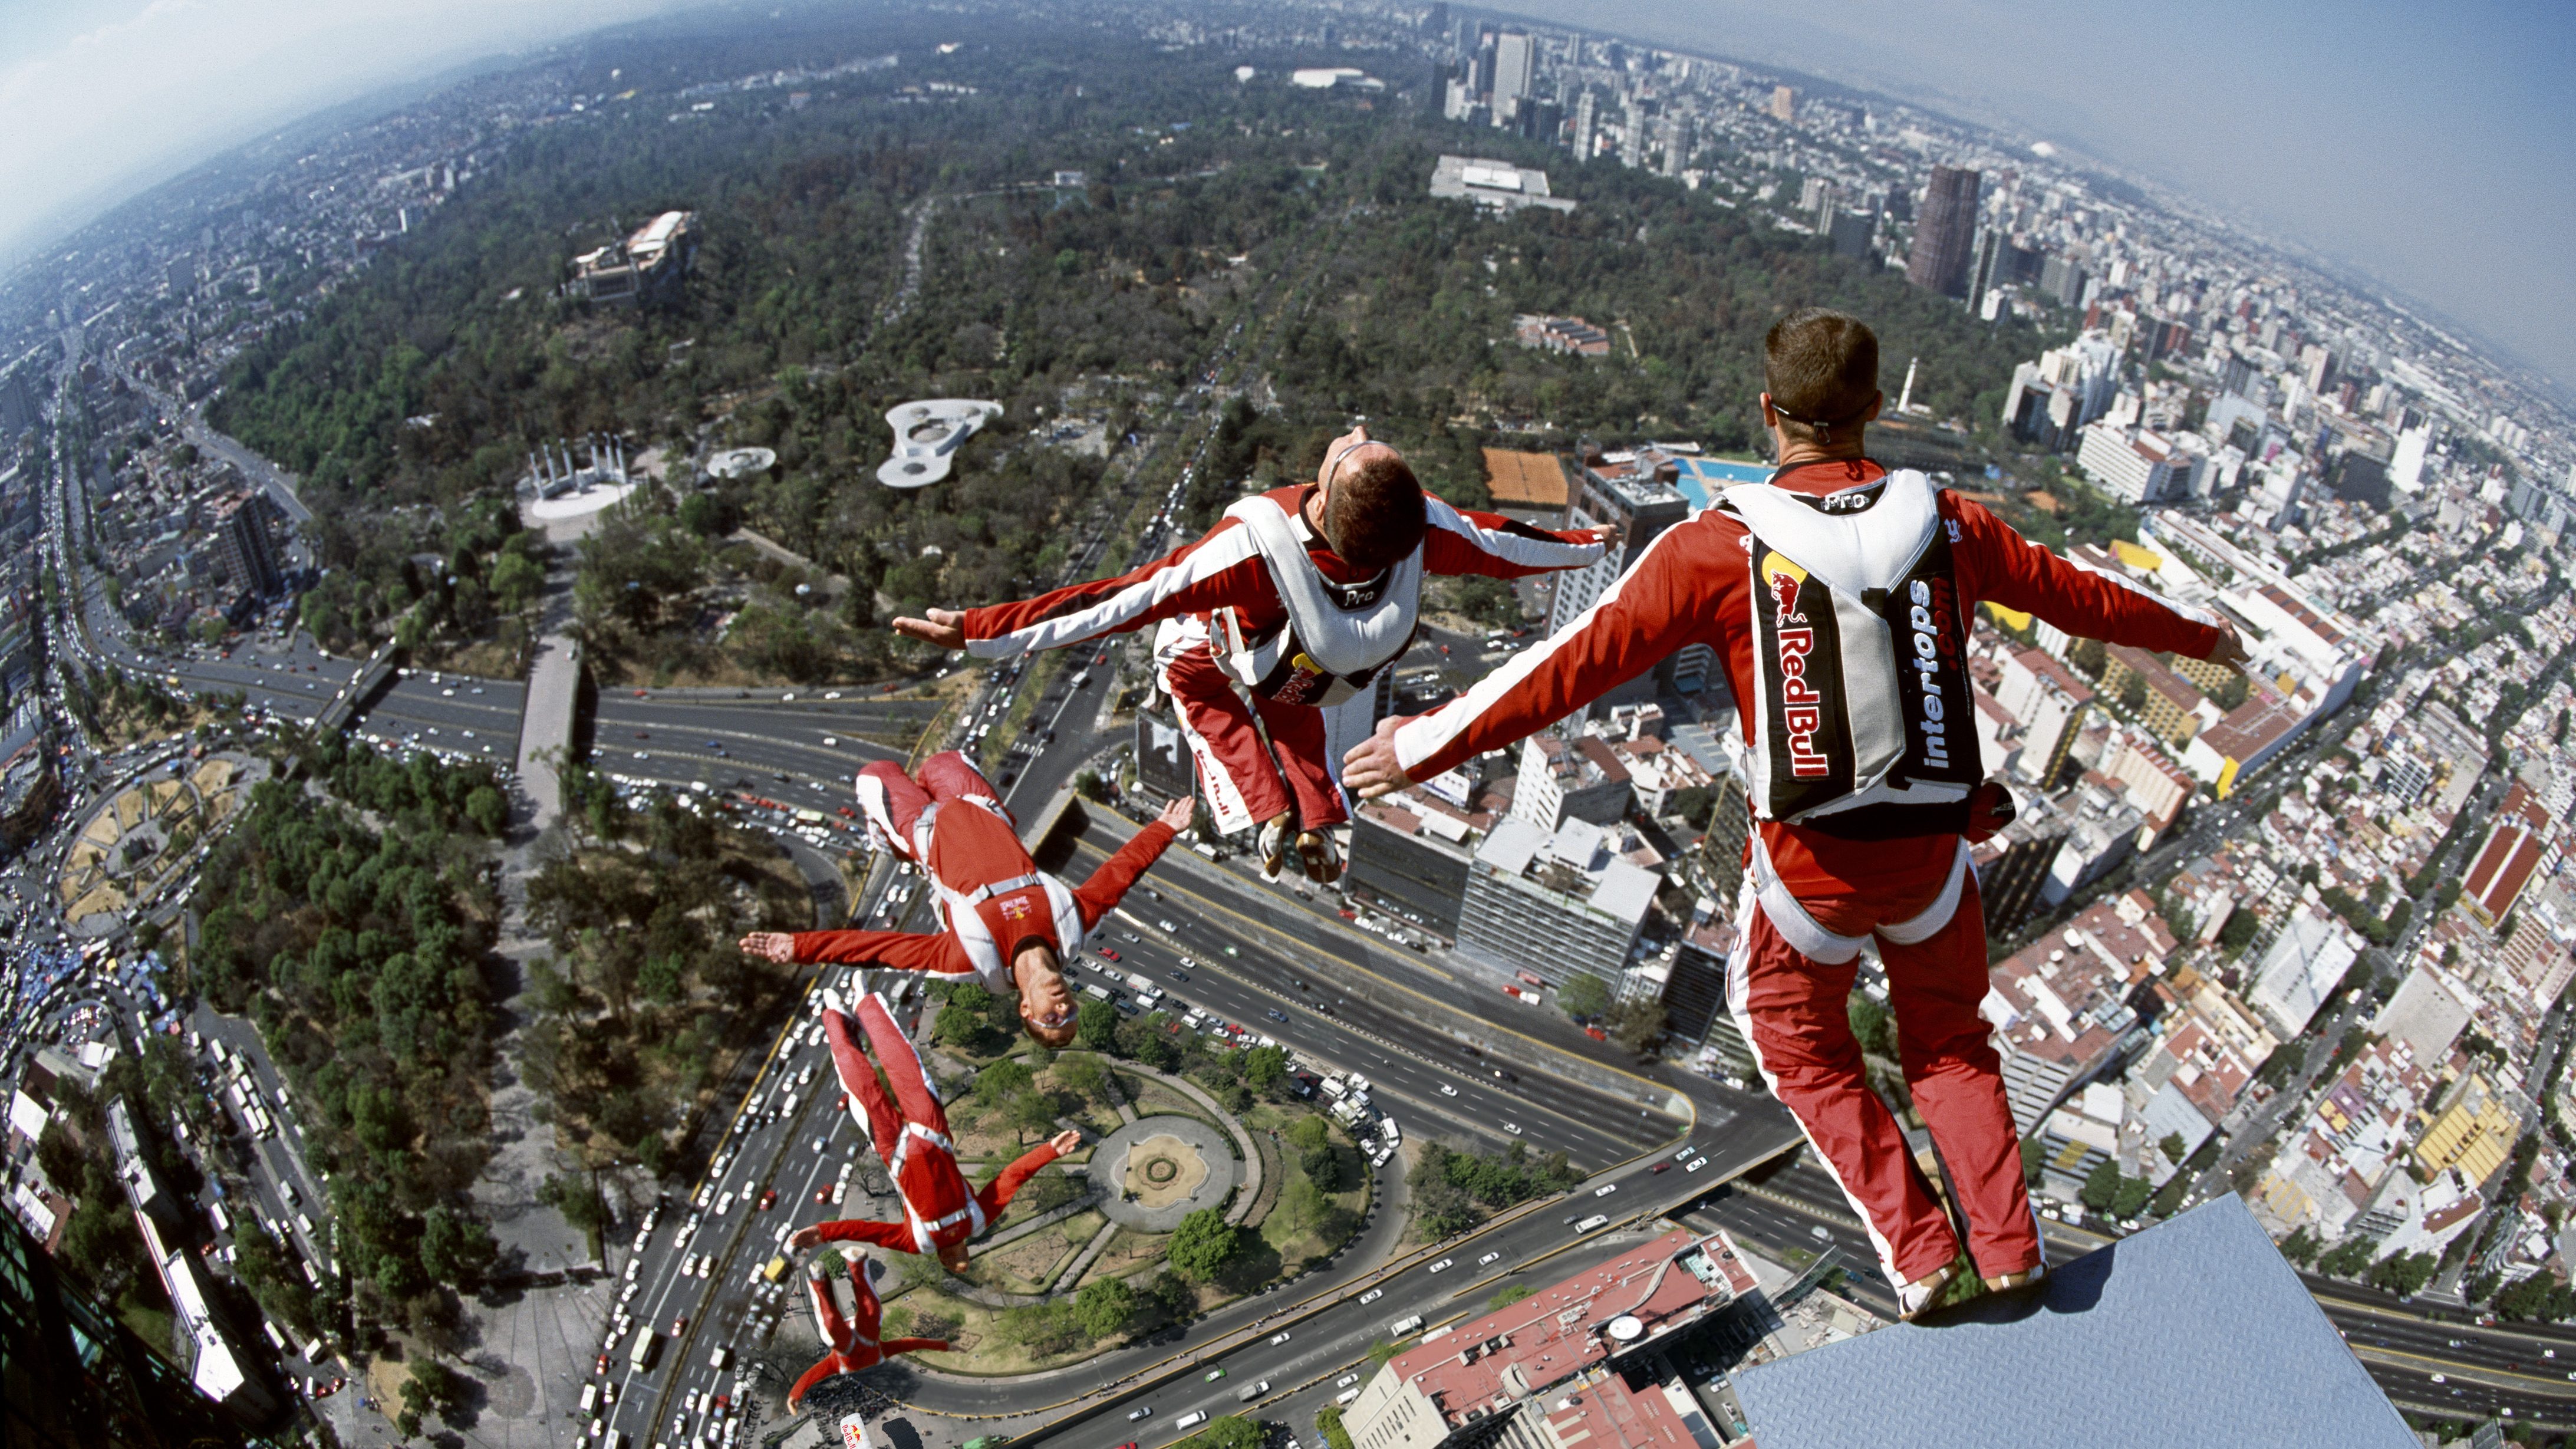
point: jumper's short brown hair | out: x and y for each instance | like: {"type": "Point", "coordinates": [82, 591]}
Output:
{"type": "Point", "coordinates": [1820, 367]}
{"type": "Point", "coordinates": [1375, 515]}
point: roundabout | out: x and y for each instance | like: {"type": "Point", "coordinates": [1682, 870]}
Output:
{"type": "Point", "coordinates": [145, 837]}
{"type": "Point", "coordinates": [1156, 1170]}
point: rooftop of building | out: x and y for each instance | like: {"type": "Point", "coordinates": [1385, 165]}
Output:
{"type": "Point", "coordinates": [2150, 1330]}
{"type": "Point", "coordinates": [1530, 1346]}
{"type": "Point", "coordinates": [2254, 726]}
{"type": "Point", "coordinates": [2060, 999]}
{"type": "Point", "coordinates": [1525, 480]}
{"type": "Point", "coordinates": [2158, 675]}
{"type": "Point", "coordinates": [2054, 670]}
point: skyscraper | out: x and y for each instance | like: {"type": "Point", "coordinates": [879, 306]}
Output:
{"type": "Point", "coordinates": [1515, 61]}
{"type": "Point", "coordinates": [1784, 103]}
{"type": "Point", "coordinates": [1945, 238]}
{"type": "Point", "coordinates": [1585, 125]}
{"type": "Point", "coordinates": [78, 1376]}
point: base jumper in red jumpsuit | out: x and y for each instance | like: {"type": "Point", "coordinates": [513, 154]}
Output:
{"type": "Point", "coordinates": [1218, 589]}
{"type": "Point", "coordinates": [1812, 898]}
{"type": "Point", "coordinates": [1007, 924]}
{"type": "Point", "coordinates": [909, 1130]}
{"type": "Point", "coordinates": [850, 1343]}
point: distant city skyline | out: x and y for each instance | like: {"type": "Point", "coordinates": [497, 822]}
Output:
{"type": "Point", "coordinates": [2427, 149]}
{"type": "Point", "coordinates": [2430, 148]}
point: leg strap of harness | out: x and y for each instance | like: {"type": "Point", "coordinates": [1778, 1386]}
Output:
{"type": "Point", "coordinates": [1790, 918]}
{"type": "Point", "coordinates": [1927, 924]}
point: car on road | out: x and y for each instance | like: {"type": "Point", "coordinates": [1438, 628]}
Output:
{"type": "Point", "coordinates": [679, 1325]}
{"type": "Point", "coordinates": [1212, 1375]}
{"type": "Point", "coordinates": [2441, 1379]}
{"type": "Point", "coordinates": [1695, 1164]}
{"type": "Point", "coordinates": [1275, 1014]}
{"type": "Point", "coordinates": [1168, 927]}
{"type": "Point", "coordinates": [1278, 1338]}
{"type": "Point", "coordinates": [1819, 1234]}
{"type": "Point", "coordinates": [1344, 1382]}
{"type": "Point", "coordinates": [1129, 936]}
{"type": "Point", "coordinates": [1181, 976]}
{"type": "Point", "coordinates": [1659, 1167]}
{"type": "Point", "coordinates": [769, 1200]}
{"type": "Point", "coordinates": [1488, 1258]}
{"type": "Point", "coordinates": [1140, 1412]}
{"type": "Point", "coordinates": [1605, 1189]}
{"type": "Point", "coordinates": [1373, 1295]}
{"type": "Point", "coordinates": [1191, 1420]}
{"type": "Point", "coordinates": [1442, 1264]}
{"type": "Point", "coordinates": [1447, 1090]}
{"type": "Point", "coordinates": [1594, 1221]}
{"type": "Point", "coordinates": [1108, 955]}
{"type": "Point", "coordinates": [1513, 1128]}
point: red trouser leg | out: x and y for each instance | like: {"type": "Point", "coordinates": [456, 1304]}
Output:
{"type": "Point", "coordinates": [828, 1322]}
{"type": "Point", "coordinates": [1235, 770]}
{"type": "Point", "coordinates": [831, 1366]}
{"type": "Point", "coordinates": [913, 1093]}
{"type": "Point", "coordinates": [892, 804]}
{"type": "Point", "coordinates": [868, 1103]}
{"type": "Point", "coordinates": [1795, 1015]}
{"type": "Point", "coordinates": [949, 776]}
{"type": "Point", "coordinates": [1297, 741]}
{"type": "Point", "coordinates": [1952, 1069]}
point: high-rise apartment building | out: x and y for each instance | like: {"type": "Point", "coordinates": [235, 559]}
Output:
{"type": "Point", "coordinates": [243, 544]}
{"type": "Point", "coordinates": [77, 1376]}
{"type": "Point", "coordinates": [1515, 65]}
{"type": "Point", "coordinates": [1784, 103]}
{"type": "Point", "coordinates": [1633, 495]}
{"type": "Point", "coordinates": [1560, 904]}
{"type": "Point", "coordinates": [1945, 237]}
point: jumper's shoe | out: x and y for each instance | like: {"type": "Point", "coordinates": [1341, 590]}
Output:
{"type": "Point", "coordinates": [1917, 1297]}
{"type": "Point", "coordinates": [2006, 1282]}
{"type": "Point", "coordinates": [832, 1000]}
{"type": "Point", "coordinates": [1274, 844]}
{"type": "Point", "coordinates": [1319, 857]}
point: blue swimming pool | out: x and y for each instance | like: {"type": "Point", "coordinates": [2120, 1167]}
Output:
{"type": "Point", "coordinates": [1702, 475]}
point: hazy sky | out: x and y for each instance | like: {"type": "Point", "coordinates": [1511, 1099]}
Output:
{"type": "Point", "coordinates": [2433, 145]}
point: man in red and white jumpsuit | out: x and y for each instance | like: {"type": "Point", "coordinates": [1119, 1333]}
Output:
{"type": "Point", "coordinates": [850, 1343]}
{"type": "Point", "coordinates": [1008, 925]}
{"type": "Point", "coordinates": [1220, 586]}
{"type": "Point", "coordinates": [909, 1130]}
{"type": "Point", "coordinates": [1789, 982]}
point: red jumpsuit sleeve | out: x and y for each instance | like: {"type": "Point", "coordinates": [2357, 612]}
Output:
{"type": "Point", "coordinates": [1100, 895]}
{"type": "Point", "coordinates": [997, 1194]}
{"type": "Point", "coordinates": [897, 950]}
{"type": "Point", "coordinates": [1462, 542]}
{"type": "Point", "coordinates": [1674, 595]}
{"type": "Point", "coordinates": [1996, 564]}
{"type": "Point", "coordinates": [1219, 568]}
{"type": "Point", "coordinates": [896, 1237]}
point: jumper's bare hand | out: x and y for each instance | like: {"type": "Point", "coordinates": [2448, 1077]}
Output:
{"type": "Point", "coordinates": [807, 1237]}
{"type": "Point", "coordinates": [1370, 767]}
{"type": "Point", "coordinates": [941, 628]}
{"type": "Point", "coordinates": [1179, 813]}
{"type": "Point", "coordinates": [2230, 649]}
{"type": "Point", "coordinates": [1065, 1141]}
{"type": "Point", "coordinates": [769, 946]}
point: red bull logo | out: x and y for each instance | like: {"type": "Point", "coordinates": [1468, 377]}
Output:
{"type": "Point", "coordinates": [1016, 907]}
{"type": "Point", "coordinates": [1802, 711]}
{"type": "Point", "coordinates": [1783, 578]}
{"type": "Point", "coordinates": [854, 1432]}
